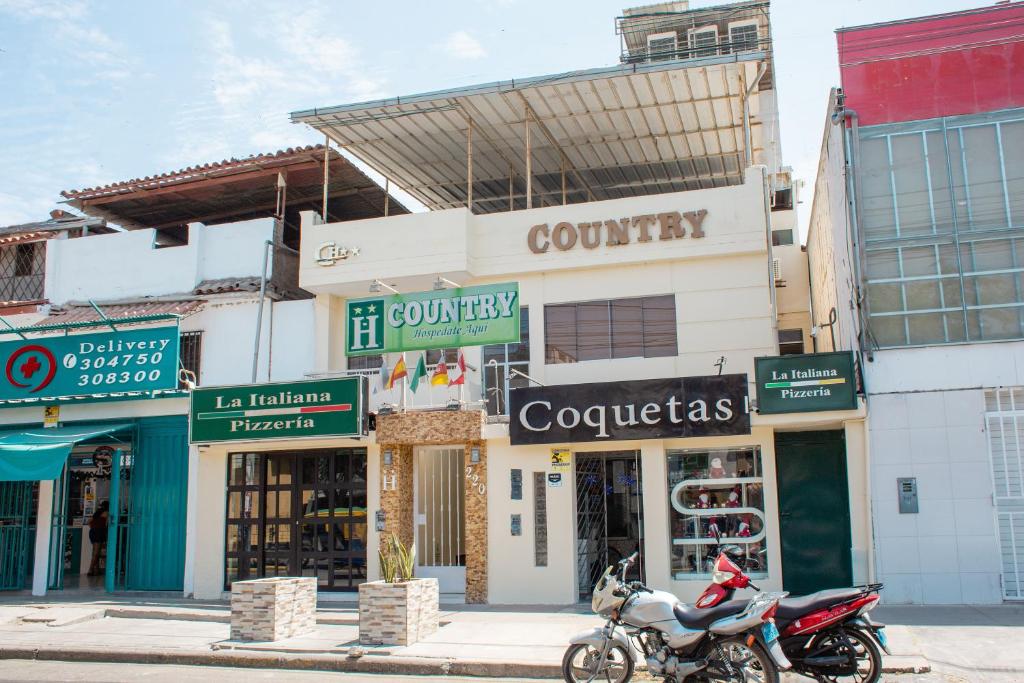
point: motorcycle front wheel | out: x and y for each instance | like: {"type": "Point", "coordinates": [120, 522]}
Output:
{"type": "Point", "coordinates": [750, 663]}
{"type": "Point", "coordinates": [581, 664]}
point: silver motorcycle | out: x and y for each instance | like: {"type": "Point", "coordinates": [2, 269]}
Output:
{"type": "Point", "coordinates": [735, 641]}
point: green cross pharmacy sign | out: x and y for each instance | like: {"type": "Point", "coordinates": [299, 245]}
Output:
{"type": "Point", "coordinates": [280, 410]}
{"type": "Point", "coordinates": [806, 383]}
{"type": "Point", "coordinates": [440, 319]}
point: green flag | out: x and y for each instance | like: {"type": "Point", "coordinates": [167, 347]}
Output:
{"type": "Point", "coordinates": [420, 371]}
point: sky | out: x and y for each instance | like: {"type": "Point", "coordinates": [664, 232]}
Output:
{"type": "Point", "coordinates": [100, 92]}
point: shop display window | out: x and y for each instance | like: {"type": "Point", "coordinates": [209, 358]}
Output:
{"type": "Point", "coordinates": [716, 489]}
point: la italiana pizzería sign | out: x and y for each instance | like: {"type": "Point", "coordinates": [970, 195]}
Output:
{"type": "Point", "coordinates": [282, 410]}
{"type": "Point", "coordinates": [804, 383]}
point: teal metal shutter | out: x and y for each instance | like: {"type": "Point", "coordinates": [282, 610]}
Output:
{"type": "Point", "coordinates": [159, 494]}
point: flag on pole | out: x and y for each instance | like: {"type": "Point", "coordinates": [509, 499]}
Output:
{"type": "Point", "coordinates": [384, 374]}
{"type": "Point", "coordinates": [440, 376]}
{"type": "Point", "coordinates": [419, 373]}
{"type": "Point", "coordinates": [397, 373]}
{"type": "Point", "coordinates": [461, 379]}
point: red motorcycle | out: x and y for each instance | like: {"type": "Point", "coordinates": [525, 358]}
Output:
{"type": "Point", "coordinates": [827, 635]}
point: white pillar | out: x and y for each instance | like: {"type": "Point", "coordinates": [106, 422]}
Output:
{"type": "Point", "coordinates": [44, 524]}
{"type": "Point", "coordinates": [191, 521]}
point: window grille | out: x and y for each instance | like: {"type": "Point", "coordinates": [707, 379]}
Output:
{"type": "Point", "coordinates": [190, 354]}
{"type": "Point", "coordinates": [22, 271]}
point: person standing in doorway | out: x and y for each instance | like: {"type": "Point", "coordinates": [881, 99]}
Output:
{"type": "Point", "coordinates": [98, 536]}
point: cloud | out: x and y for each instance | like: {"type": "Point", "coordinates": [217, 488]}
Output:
{"type": "Point", "coordinates": [58, 10]}
{"type": "Point", "coordinates": [461, 45]}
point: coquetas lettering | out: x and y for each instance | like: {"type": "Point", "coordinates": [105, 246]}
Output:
{"type": "Point", "coordinates": [644, 409]}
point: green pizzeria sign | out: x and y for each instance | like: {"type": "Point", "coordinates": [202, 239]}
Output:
{"type": "Point", "coordinates": [281, 410]}
{"type": "Point", "coordinates": [806, 383]}
{"type": "Point", "coordinates": [448, 318]}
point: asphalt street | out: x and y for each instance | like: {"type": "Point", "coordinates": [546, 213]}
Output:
{"type": "Point", "coordinates": [23, 671]}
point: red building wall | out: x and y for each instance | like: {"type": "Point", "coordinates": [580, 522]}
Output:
{"type": "Point", "coordinates": [948, 64]}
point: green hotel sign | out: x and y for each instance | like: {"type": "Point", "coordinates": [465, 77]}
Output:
{"type": "Point", "coordinates": [440, 319]}
{"type": "Point", "coordinates": [806, 383]}
{"type": "Point", "coordinates": [282, 410]}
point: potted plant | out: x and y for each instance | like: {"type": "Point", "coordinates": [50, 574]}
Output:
{"type": "Point", "coordinates": [400, 609]}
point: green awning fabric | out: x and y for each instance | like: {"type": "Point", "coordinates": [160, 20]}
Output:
{"type": "Point", "coordinates": [39, 454]}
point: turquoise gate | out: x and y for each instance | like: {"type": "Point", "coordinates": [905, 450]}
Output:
{"type": "Point", "coordinates": [155, 534]}
{"type": "Point", "coordinates": [16, 537]}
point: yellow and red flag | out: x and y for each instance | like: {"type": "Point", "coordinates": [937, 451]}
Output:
{"type": "Point", "coordinates": [440, 376]}
{"type": "Point", "coordinates": [397, 373]}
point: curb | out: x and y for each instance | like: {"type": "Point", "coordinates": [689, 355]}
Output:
{"type": "Point", "coordinates": [376, 664]}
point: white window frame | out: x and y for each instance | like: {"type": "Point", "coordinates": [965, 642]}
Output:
{"type": "Point", "coordinates": [745, 22]}
{"type": "Point", "coordinates": [661, 36]}
{"type": "Point", "coordinates": [713, 50]}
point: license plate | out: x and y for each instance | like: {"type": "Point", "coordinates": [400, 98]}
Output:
{"type": "Point", "coordinates": [770, 633]}
{"type": "Point", "coordinates": [882, 638]}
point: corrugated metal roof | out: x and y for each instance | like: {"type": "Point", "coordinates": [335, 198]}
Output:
{"type": "Point", "coordinates": [619, 131]}
{"type": "Point", "coordinates": [119, 312]}
{"type": "Point", "coordinates": [238, 189]}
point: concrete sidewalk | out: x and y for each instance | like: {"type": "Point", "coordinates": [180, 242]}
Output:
{"type": "Point", "coordinates": [518, 642]}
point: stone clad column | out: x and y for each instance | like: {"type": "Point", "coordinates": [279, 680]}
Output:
{"type": "Point", "coordinates": [475, 541]}
{"type": "Point", "coordinates": [396, 494]}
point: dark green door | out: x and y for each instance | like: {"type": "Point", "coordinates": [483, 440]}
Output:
{"type": "Point", "coordinates": [814, 511]}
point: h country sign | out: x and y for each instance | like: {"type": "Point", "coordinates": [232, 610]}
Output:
{"type": "Point", "coordinates": [448, 318]}
{"type": "Point", "coordinates": [806, 383]}
{"type": "Point", "coordinates": [128, 360]}
{"type": "Point", "coordinates": [282, 410]}
{"type": "Point", "coordinates": [644, 409]}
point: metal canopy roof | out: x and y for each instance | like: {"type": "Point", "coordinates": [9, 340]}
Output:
{"type": "Point", "coordinates": [616, 132]}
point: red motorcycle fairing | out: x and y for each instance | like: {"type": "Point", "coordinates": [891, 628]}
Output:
{"type": "Point", "coordinates": [726, 579]}
{"type": "Point", "coordinates": [824, 618]}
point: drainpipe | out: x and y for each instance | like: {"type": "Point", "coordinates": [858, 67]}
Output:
{"type": "Point", "coordinates": [747, 135]}
{"type": "Point", "coordinates": [259, 314]}
{"type": "Point", "coordinates": [839, 117]}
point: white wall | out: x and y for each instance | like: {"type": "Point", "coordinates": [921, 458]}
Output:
{"type": "Point", "coordinates": [926, 413]}
{"type": "Point", "coordinates": [125, 265]}
{"type": "Point", "coordinates": [411, 250]}
{"type": "Point", "coordinates": [229, 329]}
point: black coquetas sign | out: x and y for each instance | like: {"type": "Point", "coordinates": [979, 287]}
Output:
{"type": "Point", "coordinates": [714, 405]}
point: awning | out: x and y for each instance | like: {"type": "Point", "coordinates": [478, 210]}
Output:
{"type": "Point", "coordinates": [39, 454]}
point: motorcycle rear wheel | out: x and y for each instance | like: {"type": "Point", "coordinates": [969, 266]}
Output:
{"type": "Point", "coordinates": [580, 662]}
{"type": "Point", "coordinates": [869, 659]}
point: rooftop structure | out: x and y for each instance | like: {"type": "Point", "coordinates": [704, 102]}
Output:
{"type": "Point", "coordinates": [644, 127]}
{"type": "Point", "coordinates": [278, 184]}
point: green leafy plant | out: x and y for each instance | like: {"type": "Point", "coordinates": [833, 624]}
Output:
{"type": "Point", "coordinates": [388, 565]}
{"type": "Point", "coordinates": [397, 563]}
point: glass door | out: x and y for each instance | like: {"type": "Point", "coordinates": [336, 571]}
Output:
{"type": "Point", "coordinates": [298, 513]}
{"type": "Point", "coordinates": [440, 505]}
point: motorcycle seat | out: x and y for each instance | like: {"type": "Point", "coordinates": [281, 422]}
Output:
{"type": "Point", "coordinates": [792, 608]}
{"type": "Point", "coordinates": [700, 618]}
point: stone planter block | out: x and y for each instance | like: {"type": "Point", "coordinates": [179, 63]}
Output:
{"type": "Point", "coordinates": [273, 609]}
{"type": "Point", "coordinates": [398, 613]}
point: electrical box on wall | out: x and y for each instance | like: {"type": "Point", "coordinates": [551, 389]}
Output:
{"type": "Point", "coordinates": [517, 525]}
{"type": "Point", "coordinates": [907, 487]}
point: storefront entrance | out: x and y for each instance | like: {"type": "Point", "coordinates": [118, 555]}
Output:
{"type": "Point", "coordinates": [298, 513]}
{"type": "Point", "coordinates": [814, 511]}
{"type": "Point", "coordinates": [609, 514]}
{"type": "Point", "coordinates": [440, 504]}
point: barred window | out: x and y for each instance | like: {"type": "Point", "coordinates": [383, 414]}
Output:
{"type": "Point", "coordinates": [942, 207]}
{"type": "Point", "coordinates": [191, 353]}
